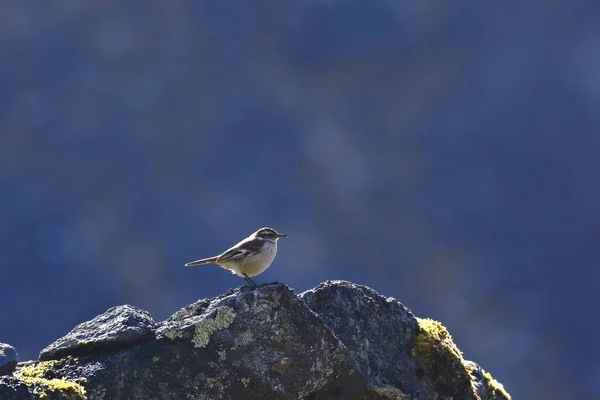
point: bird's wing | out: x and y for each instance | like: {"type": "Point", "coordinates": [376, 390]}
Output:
{"type": "Point", "coordinates": [241, 250]}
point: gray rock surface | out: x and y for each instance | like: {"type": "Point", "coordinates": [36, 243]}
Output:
{"type": "Point", "coordinates": [15, 389]}
{"type": "Point", "coordinates": [337, 341]}
{"type": "Point", "coordinates": [377, 331]}
{"type": "Point", "coordinates": [8, 359]}
{"type": "Point", "coordinates": [381, 336]}
{"type": "Point", "coordinates": [118, 326]}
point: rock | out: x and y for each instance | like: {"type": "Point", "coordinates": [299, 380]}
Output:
{"type": "Point", "coordinates": [484, 385]}
{"type": "Point", "coordinates": [337, 341]}
{"type": "Point", "coordinates": [391, 347]}
{"type": "Point", "coordinates": [377, 331]}
{"type": "Point", "coordinates": [388, 344]}
{"type": "Point", "coordinates": [14, 389]}
{"type": "Point", "coordinates": [246, 344]}
{"type": "Point", "coordinates": [8, 359]}
{"type": "Point", "coordinates": [37, 380]}
{"type": "Point", "coordinates": [118, 326]}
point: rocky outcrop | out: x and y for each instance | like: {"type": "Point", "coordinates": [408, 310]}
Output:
{"type": "Point", "coordinates": [8, 359]}
{"type": "Point", "coordinates": [117, 327]}
{"type": "Point", "coordinates": [337, 341]}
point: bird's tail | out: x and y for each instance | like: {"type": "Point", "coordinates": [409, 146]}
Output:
{"type": "Point", "coordinates": [211, 260]}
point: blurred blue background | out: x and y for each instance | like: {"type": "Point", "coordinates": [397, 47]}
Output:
{"type": "Point", "coordinates": [444, 153]}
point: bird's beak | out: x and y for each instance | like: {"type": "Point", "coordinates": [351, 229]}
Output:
{"type": "Point", "coordinates": [282, 235]}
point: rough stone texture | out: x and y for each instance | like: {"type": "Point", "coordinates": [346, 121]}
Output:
{"type": "Point", "coordinates": [8, 359]}
{"type": "Point", "coordinates": [382, 336]}
{"type": "Point", "coordinates": [116, 327]}
{"type": "Point", "coordinates": [14, 389]}
{"type": "Point", "coordinates": [378, 331]}
{"type": "Point", "coordinates": [337, 341]}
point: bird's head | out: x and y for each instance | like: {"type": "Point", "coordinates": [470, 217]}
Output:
{"type": "Point", "coordinates": [269, 234]}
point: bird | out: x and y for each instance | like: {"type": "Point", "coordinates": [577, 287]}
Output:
{"type": "Point", "coordinates": [250, 257]}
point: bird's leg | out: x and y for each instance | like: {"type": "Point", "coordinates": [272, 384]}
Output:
{"type": "Point", "coordinates": [250, 281]}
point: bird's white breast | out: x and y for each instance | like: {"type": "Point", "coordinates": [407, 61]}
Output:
{"type": "Point", "coordinates": [253, 265]}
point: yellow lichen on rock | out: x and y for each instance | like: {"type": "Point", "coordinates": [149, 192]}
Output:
{"type": "Point", "coordinates": [434, 335]}
{"type": "Point", "coordinates": [442, 360]}
{"type": "Point", "coordinates": [494, 388]}
{"type": "Point", "coordinates": [33, 376]}
{"type": "Point", "coordinates": [435, 347]}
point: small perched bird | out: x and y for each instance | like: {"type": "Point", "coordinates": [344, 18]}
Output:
{"type": "Point", "coordinates": [249, 257]}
